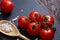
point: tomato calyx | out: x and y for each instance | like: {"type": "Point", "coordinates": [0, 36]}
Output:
{"type": "Point", "coordinates": [47, 28]}
{"type": "Point", "coordinates": [45, 19]}
{"type": "Point", "coordinates": [54, 29]}
{"type": "Point", "coordinates": [36, 15]}
{"type": "Point", "coordinates": [34, 27]}
{"type": "Point", "coordinates": [27, 19]}
{"type": "Point", "coordinates": [39, 23]}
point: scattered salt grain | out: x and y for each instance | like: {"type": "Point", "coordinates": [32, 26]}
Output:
{"type": "Point", "coordinates": [36, 39]}
{"type": "Point", "coordinates": [0, 13]}
{"type": "Point", "coordinates": [17, 38]}
{"type": "Point", "coordinates": [22, 10]}
{"type": "Point", "coordinates": [15, 18]}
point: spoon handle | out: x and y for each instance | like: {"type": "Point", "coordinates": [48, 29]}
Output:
{"type": "Point", "coordinates": [23, 37]}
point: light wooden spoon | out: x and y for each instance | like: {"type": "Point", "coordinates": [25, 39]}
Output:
{"type": "Point", "coordinates": [14, 32]}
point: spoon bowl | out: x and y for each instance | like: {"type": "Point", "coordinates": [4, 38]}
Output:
{"type": "Point", "coordinates": [14, 32]}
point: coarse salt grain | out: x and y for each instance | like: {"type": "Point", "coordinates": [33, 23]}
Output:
{"type": "Point", "coordinates": [6, 27]}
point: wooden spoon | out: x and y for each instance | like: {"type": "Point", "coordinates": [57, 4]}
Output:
{"type": "Point", "coordinates": [14, 32]}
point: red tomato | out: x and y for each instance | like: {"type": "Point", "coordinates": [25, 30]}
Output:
{"type": "Point", "coordinates": [47, 34]}
{"type": "Point", "coordinates": [35, 16]}
{"type": "Point", "coordinates": [7, 6]}
{"type": "Point", "coordinates": [0, 5]}
{"type": "Point", "coordinates": [23, 21]}
{"type": "Point", "coordinates": [48, 20]}
{"type": "Point", "coordinates": [33, 29]}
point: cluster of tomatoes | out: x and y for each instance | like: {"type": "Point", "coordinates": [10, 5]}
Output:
{"type": "Point", "coordinates": [36, 24]}
{"type": "Point", "coordinates": [6, 6]}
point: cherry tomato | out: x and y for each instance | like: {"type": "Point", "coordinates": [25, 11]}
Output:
{"type": "Point", "coordinates": [0, 5]}
{"type": "Point", "coordinates": [33, 29]}
{"type": "Point", "coordinates": [35, 16]}
{"type": "Point", "coordinates": [48, 20]}
{"type": "Point", "coordinates": [47, 34]}
{"type": "Point", "coordinates": [23, 21]}
{"type": "Point", "coordinates": [7, 6]}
